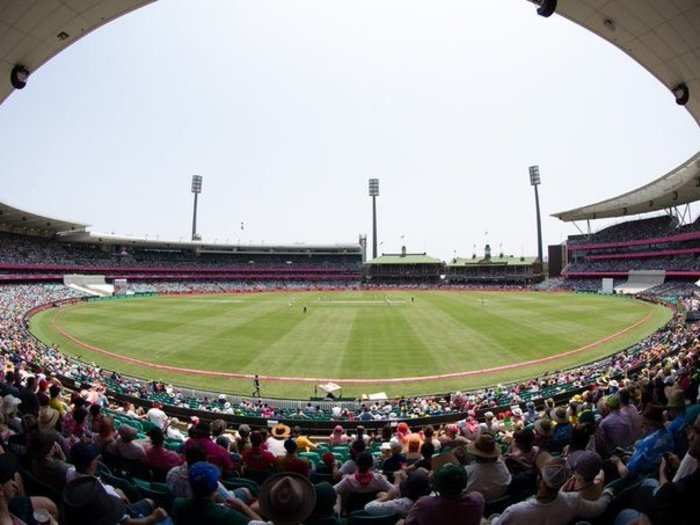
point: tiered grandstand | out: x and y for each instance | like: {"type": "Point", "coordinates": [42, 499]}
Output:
{"type": "Point", "coordinates": [643, 246]}
{"type": "Point", "coordinates": [30, 254]}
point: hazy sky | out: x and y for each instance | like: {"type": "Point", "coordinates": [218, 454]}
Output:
{"type": "Point", "coordinates": [287, 108]}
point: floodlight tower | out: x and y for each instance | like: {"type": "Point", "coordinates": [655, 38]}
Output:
{"type": "Point", "coordinates": [196, 190]}
{"type": "Point", "coordinates": [534, 182]}
{"type": "Point", "coordinates": [374, 193]}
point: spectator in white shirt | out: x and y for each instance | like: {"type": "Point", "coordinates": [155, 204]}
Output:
{"type": "Point", "coordinates": [490, 424]}
{"type": "Point", "coordinates": [551, 507]}
{"type": "Point", "coordinates": [275, 442]}
{"type": "Point", "coordinates": [406, 492]}
{"type": "Point", "coordinates": [156, 416]}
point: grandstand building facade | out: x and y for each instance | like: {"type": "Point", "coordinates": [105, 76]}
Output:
{"type": "Point", "coordinates": [404, 268]}
{"type": "Point", "coordinates": [491, 270]}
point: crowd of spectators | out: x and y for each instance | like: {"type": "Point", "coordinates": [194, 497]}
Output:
{"type": "Point", "coordinates": [633, 230]}
{"type": "Point", "coordinates": [577, 284]}
{"type": "Point", "coordinates": [688, 263]}
{"type": "Point", "coordinates": [40, 251]}
{"type": "Point", "coordinates": [235, 286]}
{"type": "Point", "coordinates": [21, 249]}
{"type": "Point", "coordinates": [622, 445]}
{"type": "Point", "coordinates": [672, 290]}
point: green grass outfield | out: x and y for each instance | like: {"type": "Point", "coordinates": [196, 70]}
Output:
{"type": "Point", "coordinates": [348, 335]}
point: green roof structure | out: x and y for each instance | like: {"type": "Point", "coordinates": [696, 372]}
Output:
{"type": "Point", "coordinates": [509, 260]}
{"type": "Point", "coordinates": [407, 258]}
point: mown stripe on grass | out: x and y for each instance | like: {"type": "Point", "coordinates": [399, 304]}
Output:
{"type": "Point", "coordinates": [313, 343]}
{"type": "Point", "coordinates": [383, 343]}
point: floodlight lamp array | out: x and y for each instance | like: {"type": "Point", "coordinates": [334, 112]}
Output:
{"type": "Point", "coordinates": [373, 187]}
{"type": "Point", "coordinates": [196, 184]}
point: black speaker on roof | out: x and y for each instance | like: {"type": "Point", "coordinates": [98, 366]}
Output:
{"type": "Point", "coordinates": [547, 8]}
{"type": "Point", "coordinates": [682, 94]}
{"type": "Point", "coordinates": [19, 76]}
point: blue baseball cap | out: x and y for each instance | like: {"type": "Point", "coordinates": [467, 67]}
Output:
{"type": "Point", "coordinates": [204, 478]}
{"type": "Point", "coordinates": [82, 454]}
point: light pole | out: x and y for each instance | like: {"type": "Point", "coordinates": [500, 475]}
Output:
{"type": "Point", "coordinates": [374, 193]}
{"type": "Point", "coordinates": [535, 181]}
{"type": "Point", "coordinates": [196, 190]}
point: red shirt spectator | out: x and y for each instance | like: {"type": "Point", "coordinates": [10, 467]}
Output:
{"type": "Point", "coordinates": [200, 437]}
{"type": "Point", "coordinates": [293, 464]}
{"type": "Point", "coordinates": [159, 458]}
{"type": "Point", "coordinates": [290, 462]}
{"type": "Point", "coordinates": [256, 457]}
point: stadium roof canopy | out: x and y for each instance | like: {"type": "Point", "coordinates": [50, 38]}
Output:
{"type": "Point", "coordinates": [209, 247]}
{"type": "Point", "coordinates": [33, 31]}
{"type": "Point", "coordinates": [20, 221]}
{"type": "Point", "coordinates": [664, 37]}
{"type": "Point", "coordinates": [680, 186]}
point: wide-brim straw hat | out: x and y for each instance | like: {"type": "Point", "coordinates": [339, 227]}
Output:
{"type": "Point", "coordinates": [287, 498]}
{"type": "Point", "coordinates": [281, 431]}
{"type": "Point", "coordinates": [484, 447]}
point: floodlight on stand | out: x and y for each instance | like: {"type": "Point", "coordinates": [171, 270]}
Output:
{"type": "Point", "coordinates": [374, 193]}
{"type": "Point", "coordinates": [535, 182]}
{"type": "Point", "coordinates": [196, 190]}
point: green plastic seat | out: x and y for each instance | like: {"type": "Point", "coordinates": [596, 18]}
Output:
{"type": "Point", "coordinates": [343, 452]}
{"type": "Point", "coordinates": [173, 444]}
{"type": "Point", "coordinates": [141, 483]}
{"type": "Point", "coordinates": [160, 494]}
{"type": "Point", "coordinates": [236, 483]}
{"type": "Point", "coordinates": [361, 517]}
{"type": "Point", "coordinates": [313, 457]}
